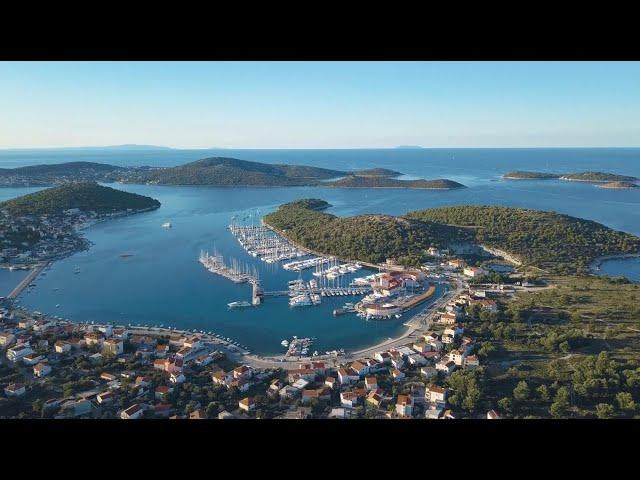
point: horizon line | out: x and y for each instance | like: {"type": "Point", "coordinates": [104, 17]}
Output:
{"type": "Point", "coordinates": [399, 147]}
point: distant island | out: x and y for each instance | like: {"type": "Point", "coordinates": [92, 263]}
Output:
{"type": "Point", "coordinates": [614, 185]}
{"type": "Point", "coordinates": [596, 177]}
{"type": "Point", "coordinates": [614, 180]}
{"type": "Point", "coordinates": [44, 225]}
{"type": "Point", "coordinates": [409, 147]}
{"type": "Point", "coordinates": [214, 171]}
{"type": "Point", "coordinates": [53, 174]}
{"type": "Point", "coordinates": [376, 172]}
{"type": "Point", "coordinates": [523, 175]}
{"type": "Point", "coordinates": [357, 181]}
{"type": "Point", "coordinates": [549, 241]}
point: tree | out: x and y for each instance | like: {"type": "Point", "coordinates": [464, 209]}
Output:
{"type": "Point", "coordinates": [625, 402]}
{"type": "Point", "coordinates": [604, 410]}
{"type": "Point", "coordinates": [521, 392]}
{"type": "Point", "coordinates": [543, 392]}
{"type": "Point", "coordinates": [505, 404]}
{"type": "Point", "coordinates": [560, 405]}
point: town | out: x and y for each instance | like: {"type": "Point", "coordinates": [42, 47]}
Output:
{"type": "Point", "coordinates": [51, 368]}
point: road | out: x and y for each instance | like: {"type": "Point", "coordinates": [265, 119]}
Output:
{"type": "Point", "coordinates": [26, 281]}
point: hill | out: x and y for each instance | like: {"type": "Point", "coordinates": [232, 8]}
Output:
{"type": "Point", "coordinates": [85, 196]}
{"type": "Point", "coordinates": [356, 181]}
{"type": "Point", "coordinates": [367, 238]}
{"type": "Point", "coordinates": [547, 240]}
{"type": "Point", "coordinates": [222, 171]}
{"type": "Point", "coordinates": [42, 175]}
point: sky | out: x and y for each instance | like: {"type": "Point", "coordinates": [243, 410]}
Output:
{"type": "Point", "coordinates": [320, 104]}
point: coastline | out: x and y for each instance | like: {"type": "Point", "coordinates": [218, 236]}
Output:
{"type": "Point", "coordinates": [597, 262]}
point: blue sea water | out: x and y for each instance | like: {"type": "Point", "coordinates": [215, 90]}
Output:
{"type": "Point", "coordinates": [162, 282]}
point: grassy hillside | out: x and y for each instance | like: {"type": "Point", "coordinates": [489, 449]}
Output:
{"type": "Point", "coordinates": [86, 196]}
{"type": "Point", "coordinates": [551, 241]}
{"type": "Point", "coordinates": [369, 238]}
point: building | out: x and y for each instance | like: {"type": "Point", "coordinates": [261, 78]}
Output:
{"type": "Point", "coordinates": [436, 395]}
{"type": "Point", "coordinates": [6, 339]}
{"type": "Point", "coordinates": [133, 412]}
{"type": "Point", "coordinates": [493, 415]}
{"type": "Point", "coordinates": [371, 383]}
{"type": "Point", "coordinates": [473, 272]}
{"type": "Point", "coordinates": [404, 406]}
{"type": "Point", "coordinates": [62, 346]}
{"type": "Point", "coordinates": [14, 390]}
{"type": "Point", "coordinates": [18, 352]}
{"type": "Point", "coordinates": [41, 370]}
{"type": "Point", "coordinates": [247, 404]}
{"type": "Point", "coordinates": [113, 347]}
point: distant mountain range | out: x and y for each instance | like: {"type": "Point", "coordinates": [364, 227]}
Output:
{"type": "Point", "coordinates": [130, 146]}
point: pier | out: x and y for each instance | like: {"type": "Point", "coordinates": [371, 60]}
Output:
{"type": "Point", "coordinates": [26, 281]}
{"type": "Point", "coordinates": [324, 292]}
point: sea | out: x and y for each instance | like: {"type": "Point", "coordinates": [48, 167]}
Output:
{"type": "Point", "coordinates": [140, 273]}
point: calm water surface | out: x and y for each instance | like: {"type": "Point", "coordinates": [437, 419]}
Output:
{"type": "Point", "coordinates": [162, 282]}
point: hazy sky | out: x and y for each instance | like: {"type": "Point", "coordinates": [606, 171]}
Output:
{"type": "Point", "coordinates": [319, 104]}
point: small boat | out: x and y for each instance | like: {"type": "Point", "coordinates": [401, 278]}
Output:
{"type": "Point", "coordinates": [166, 225]}
{"type": "Point", "coordinates": [284, 343]}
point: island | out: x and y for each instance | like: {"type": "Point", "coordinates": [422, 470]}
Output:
{"type": "Point", "coordinates": [43, 226]}
{"type": "Point", "coordinates": [524, 175]}
{"type": "Point", "coordinates": [223, 171]}
{"type": "Point", "coordinates": [597, 177]}
{"type": "Point", "coordinates": [376, 172]}
{"type": "Point", "coordinates": [215, 172]}
{"type": "Point", "coordinates": [53, 174]}
{"type": "Point", "coordinates": [615, 180]}
{"type": "Point", "coordinates": [616, 185]}
{"type": "Point", "coordinates": [357, 181]}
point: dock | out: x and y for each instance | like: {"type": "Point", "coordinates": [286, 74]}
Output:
{"type": "Point", "coordinates": [15, 293]}
{"type": "Point", "coordinates": [324, 292]}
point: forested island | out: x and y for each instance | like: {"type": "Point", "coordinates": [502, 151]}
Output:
{"type": "Point", "coordinates": [46, 175]}
{"type": "Point", "coordinates": [214, 171]}
{"type": "Point", "coordinates": [546, 240]}
{"type": "Point", "coordinates": [524, 175]}
{"type": "Point", "coordinates": [357, 181]}
{"type": "Point", "coordinates": [588, 177]}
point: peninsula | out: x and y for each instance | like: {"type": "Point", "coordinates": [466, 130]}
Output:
{"type": "Point", "coordinates": [545, 240]}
